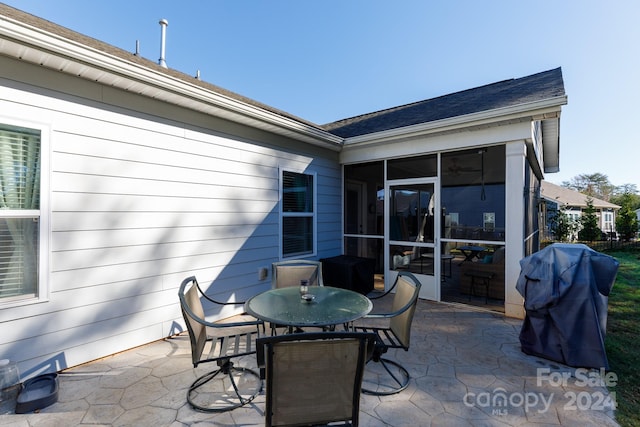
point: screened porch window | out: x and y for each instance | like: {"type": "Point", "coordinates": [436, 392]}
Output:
{"type": "Point", "coordinates": [473, 194]}
{"type": "Point", "coordinates": [20, 160]}
{"type": "Point", "coordinates": [298, 214]}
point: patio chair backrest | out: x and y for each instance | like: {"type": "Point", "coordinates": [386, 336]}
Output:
{"type": "Point", "coordinates": [192, 310]}
{"type": "Point", "coordinates": [407, 290]}
{"type": "Point", "coordinates": [289, 273]}
{"type": "Point", "coordinates": [313, 378]}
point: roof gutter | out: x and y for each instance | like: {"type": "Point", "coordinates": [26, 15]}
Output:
{"type": "Point", "coordinates": [43, 48]}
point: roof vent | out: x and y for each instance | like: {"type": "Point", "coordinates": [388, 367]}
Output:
{"type": "Point", "coordinates": [163, 40]}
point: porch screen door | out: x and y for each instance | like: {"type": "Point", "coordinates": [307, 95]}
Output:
{"type": "Point", "coordinates": [411, 229]}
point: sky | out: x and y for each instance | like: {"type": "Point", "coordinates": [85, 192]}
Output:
{"type": "Point", "coordinates": [325, 60]}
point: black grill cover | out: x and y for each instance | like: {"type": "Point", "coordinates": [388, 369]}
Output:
{"type": "Point", "coordinates": [565, 289]}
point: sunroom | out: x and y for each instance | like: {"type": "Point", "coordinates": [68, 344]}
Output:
{"type": "Point", "coordinates": [453, 198]}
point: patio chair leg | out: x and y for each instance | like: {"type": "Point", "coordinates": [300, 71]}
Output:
{"type": "Point", "coordinates": [399, 383]}
{"type": "Point", "coordinates": [232, 402]}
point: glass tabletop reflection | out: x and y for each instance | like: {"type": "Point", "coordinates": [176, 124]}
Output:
{"type": "Point", "coordinates": [330, 306]}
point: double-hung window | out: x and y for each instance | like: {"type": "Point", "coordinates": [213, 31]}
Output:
{"type": "Point", "coordinates": [298, 214]}
{"type": "Point", "coordinates": [20, 213]}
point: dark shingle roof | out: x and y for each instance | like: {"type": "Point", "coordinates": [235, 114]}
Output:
{"type": "Point", "coordinates": [507, 93]}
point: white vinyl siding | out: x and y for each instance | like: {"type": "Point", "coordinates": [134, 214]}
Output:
{"type": "Point", "coordinates": [140, 201]}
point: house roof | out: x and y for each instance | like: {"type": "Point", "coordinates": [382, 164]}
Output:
{"type": "Point", "coordinates": [59, 30]}
{"type": "Point", "coordinates": [507, 93]}
{"type": "Point", "coordinates": [29, 38]}
{"type": "Point", "coordinates": [568, 197]}
{"type": "Point", "coordinates": [43, 43]}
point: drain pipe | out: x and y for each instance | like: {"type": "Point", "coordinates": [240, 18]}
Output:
{"type": "Point", "coordinates": [163, 40]}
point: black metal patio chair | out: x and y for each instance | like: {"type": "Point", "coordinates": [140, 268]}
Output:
{"type": "Point", "coordinates": [289, 273]}
{"type": "Point", "coordinates": [220, 342]}
{"type": "Point", "coordinates": [393, 331]}
{"type": "Point", "coordinates": [313, 378]}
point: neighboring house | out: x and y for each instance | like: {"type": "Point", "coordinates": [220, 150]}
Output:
{"type": "Point", "coordinates": [121, 177]}
{"type": "Point", "coordinates": [574, 203]}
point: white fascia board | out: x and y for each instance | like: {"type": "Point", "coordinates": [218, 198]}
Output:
{"type": "Point", "coordinates": [80, 60]}
{"type": "Point", "coordinates": [516, 130]}
{"type": "Point", "coordinates": [543, 107]}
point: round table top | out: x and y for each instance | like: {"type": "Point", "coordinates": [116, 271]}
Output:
{"type": "Point", "coordinates": [330, 306]}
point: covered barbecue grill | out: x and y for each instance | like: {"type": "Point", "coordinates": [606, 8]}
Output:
{"type": "Point", "coordinates": [565, 289]}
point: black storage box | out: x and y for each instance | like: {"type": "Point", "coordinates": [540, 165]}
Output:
{"type": "Point", "coordinates": [349, 272]}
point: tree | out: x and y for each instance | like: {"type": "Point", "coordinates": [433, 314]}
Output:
{"type": "Point", "coordinates": [595, 185]}
{"type": "Point", "coordinates": [590, 230]}
{"type": "Point", "coordinates": [624, 193]}
{"type": "Point", "coordinates": [562, 226]}
{"type": "Point", "coordinates": [626, 221]}
{"type": "Point", "coordinates": [626, 188]}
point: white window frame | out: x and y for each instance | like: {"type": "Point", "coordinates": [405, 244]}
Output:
{"type": "Point", "coordinates": [607, 221]}
{"type": "Point", "coordinates": [574, 215]}
{"type": "Point", "coordinates": [43, 214]}
{"type": "Point", "coordinates": [312, 215]}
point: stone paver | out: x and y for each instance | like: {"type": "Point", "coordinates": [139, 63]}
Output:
{"type": "Point", "coordinates": [466, 366]}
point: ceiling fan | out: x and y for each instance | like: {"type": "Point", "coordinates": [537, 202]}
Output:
{"type": "Point", "coordinates": [456, 169]}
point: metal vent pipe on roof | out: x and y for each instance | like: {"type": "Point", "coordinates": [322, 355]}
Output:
{"type": "Point", "coordinates": [163, 41]}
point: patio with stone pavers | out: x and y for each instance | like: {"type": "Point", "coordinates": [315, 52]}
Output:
{"type": "Point", "coordinates": [460, 360]}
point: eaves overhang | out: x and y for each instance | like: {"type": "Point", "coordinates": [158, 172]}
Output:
{"type": "Point", "coordinates": [49, 50]}
{"type": "Point", "coordinates": [551, 144]}
{"type": "Point", "coordinates": [549, 107]}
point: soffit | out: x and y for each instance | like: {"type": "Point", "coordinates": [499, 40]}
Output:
{"type": "Point", "coordinates": [551, 144]}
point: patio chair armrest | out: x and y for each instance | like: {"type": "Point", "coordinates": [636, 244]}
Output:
{"type": "Point", "coordinates": [215, 301]}
{"type": "Point", "coordinates": [257, 323]}
{"type": "Point", "coordinates": [385, 293]}
{"type": "Point", "coordinates": [401, 310]}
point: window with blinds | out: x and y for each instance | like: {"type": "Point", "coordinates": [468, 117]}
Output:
{"type": "Point", "coordinates": [298, 214]}
{"type": "Point", "coordinates": [20, 160]}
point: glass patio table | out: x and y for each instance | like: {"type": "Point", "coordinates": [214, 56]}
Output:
{"type": "Point", "coordinates": [330, 306]}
